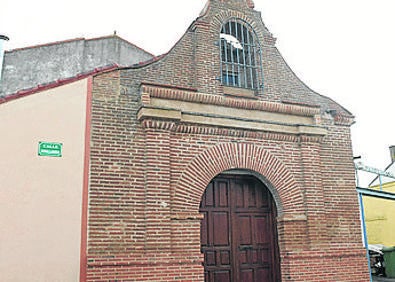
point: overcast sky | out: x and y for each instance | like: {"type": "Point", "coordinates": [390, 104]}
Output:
{"type": "Point", "coordinates": [344, 49]}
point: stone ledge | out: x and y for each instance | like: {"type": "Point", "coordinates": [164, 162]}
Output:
{"type": "Point", "coordinates": [189, 95]}
{"type": "Point", "coordinates": [257, 124]}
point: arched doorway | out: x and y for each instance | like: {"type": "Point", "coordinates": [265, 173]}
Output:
{"type": "Point", "coordinates": [238, 232]}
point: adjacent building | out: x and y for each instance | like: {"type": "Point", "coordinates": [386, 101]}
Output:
{"type": "Point", "coordinates": [380, 212]}
{"type": "Point", "coordinates": [27, 68]}
{"type": "Point", "coordinates": [212, 162]}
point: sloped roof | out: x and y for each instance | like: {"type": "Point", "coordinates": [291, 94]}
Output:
{"type": "Point", "coordinates": [390, 168]}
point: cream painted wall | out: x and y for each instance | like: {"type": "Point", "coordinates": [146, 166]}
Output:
{"type": "Point", "coordinates": [41, 197]}
{"type": "Point", "coordinates": [380, 218]}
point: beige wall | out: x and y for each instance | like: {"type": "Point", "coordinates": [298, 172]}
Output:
{"type": "Point", "coordinates": [380, 217]}
{"type": "Point", "coordinates": [41, 197]}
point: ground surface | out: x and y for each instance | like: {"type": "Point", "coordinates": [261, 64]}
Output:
{"type": "Point", "coordinates": [382, 279]}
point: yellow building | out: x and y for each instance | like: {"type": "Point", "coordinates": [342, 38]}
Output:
{"type": "Point", "coordinates": [380, 213]}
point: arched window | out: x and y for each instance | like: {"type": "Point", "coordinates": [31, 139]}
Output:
{"type": "Point", "coordinates": [240, 55]}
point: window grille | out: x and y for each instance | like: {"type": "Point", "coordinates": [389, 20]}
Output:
{"type": "Point", "coordinates": [240, 56]}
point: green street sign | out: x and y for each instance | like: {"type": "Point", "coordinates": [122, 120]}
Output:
{"type": "Point", "coordinates": [50, 149]}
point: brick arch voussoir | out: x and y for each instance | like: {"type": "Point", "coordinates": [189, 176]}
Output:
{"type": "Point", "coordinates": [220, 18]}
{"type": "Point", "coordinates": [226, 156]}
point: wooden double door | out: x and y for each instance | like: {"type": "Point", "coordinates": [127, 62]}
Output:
{"type": "Point", "coordinates": [238, 233]}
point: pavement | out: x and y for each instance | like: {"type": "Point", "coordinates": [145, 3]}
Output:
{"type": "Point", "coordinates": [382, 279]}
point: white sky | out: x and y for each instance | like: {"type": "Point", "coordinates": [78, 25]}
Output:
{"type": "Point", "coordinates": [344, 49]}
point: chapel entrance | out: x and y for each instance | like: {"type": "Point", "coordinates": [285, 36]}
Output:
{"type": "Point", "coordinates": [238, 232]}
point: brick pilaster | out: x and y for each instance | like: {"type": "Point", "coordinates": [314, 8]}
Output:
{"type": "Point", "coordinates": [310, 150]}
{"type": "Point", "coordinates": [157, 187]}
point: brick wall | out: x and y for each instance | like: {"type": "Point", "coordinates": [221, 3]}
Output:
{"type": "Point", "coordinates": [147, 175]}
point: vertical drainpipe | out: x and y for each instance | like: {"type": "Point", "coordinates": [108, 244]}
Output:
{"type": "Point", "coordinates": [2, 39]}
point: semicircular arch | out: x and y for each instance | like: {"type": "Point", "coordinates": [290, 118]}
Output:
{"type": "Point", "coordinates": [230, 156]}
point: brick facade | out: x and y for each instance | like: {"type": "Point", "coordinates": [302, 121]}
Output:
{"type": "Point", "coordinates": [160, 132]}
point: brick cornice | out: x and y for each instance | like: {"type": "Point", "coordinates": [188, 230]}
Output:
{"type": "Point", "coordinates": [196, 129]}
{"type": "Point", "coordinates": [162, 92]}
{"type": "Point", "coordinates": [340, 119]}
{"type": "Point", "coordinates": [173, 126]}
{"type": "Point", "coordinates": [310, 138]}
{"type": "Point", "coordinates": [158, 124]}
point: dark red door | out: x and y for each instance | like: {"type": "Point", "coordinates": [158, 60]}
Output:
{"type": "Point", "coordinates": [238, 234]}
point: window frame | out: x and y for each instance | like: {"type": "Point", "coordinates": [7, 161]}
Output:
{"type": "Point", "coordinates": [240, 56]}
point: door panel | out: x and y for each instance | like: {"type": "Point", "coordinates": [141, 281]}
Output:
{"type": "Point", "coordinates": [221, 225]}
{"type": "Point", "coordinates": [238, 237]}
{"type": "Point", "coordinates": [215, 232]}
{"type": "Point", "coordinates": [221, 276]}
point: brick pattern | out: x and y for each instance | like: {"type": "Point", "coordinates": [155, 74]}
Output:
{"type": "Point", "coordinates": [344, 265]}
{"type": "Point", "coordinates": [147, 177]}
{"type": "Point", "coordinates": [164, 199]}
